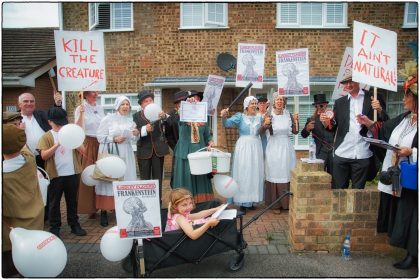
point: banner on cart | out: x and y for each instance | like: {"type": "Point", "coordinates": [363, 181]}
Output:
{"type": "Point", "coordinates": [137, 208]}
{"type": "Point", "coordinates": [374, 56]}
{"type": "Point", "coordinates": [80, 60]}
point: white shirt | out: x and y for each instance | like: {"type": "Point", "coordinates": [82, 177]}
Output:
{"type": "Point", "coordinates": [63, 158]}
{"type": "Point", "coordinates": [13, 164]}
{"type": "Point", "coordinates": [92, 118]}
{"type": "Point", "coordinates": [33, 133]}
{"type": "Point", "coordinates": [353, 145]}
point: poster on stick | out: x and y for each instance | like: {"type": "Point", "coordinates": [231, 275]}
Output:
{"type": "Point", "coordinates": [293, 72]}
{"type": "Point", "coordinates": [345, 69]}
{"type": "Point", "coordinates": [250, 66]}
{"type": "Point", "coordinates": [212, 92]}
{"type": "Point", "coordinates": [137, 208]}
{"type": "Point", "coordinates": [374, 56]}
{"type": "Point", "coordinates": [80, 60]}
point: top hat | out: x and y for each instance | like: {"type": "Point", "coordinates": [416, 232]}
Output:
{"type": "Point", "coordinates": [180, 96]}
{"type": "Point", "coordinates": [319, 99]}
{"type": "Point", "coordinates": [58, 116]}
{"type": "Point", "coordinates": [10, 116]}
{"type": "Point", "coordinates": [347, 78]}
{"type": "Point", "coordinates": [144, 94]}
{"type": "Point", "coordinates": [192, 93]}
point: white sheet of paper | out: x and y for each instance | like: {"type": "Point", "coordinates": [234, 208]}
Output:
{"type": "Point", "coordinates": [228, 214]}
{"type": "Point", "coordinates": [218, 212]}
{"type": "Point", "coordinates": [193, 112]}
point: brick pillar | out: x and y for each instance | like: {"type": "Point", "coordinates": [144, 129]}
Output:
{"type": "Point", "coordinates": [320, 217]}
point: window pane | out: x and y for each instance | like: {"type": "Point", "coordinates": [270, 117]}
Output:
{"type": "Point", "coordinates": [104, 11]}
{"type": "Point", "coordinates": [215, 12]}
{"type": "Point", "coordinates": [121, 15]}
{"type": "Point", "coordinates": [335, 13]}
{"type": "Point", "coordinates": [311, 14]}
{"type": "Point", "coordinates": [288, 13]}
{"type": "Point", "coordinates": [192, 14]}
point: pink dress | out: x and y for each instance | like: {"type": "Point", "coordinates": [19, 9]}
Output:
{"type": "Point", "coordinates": [171, 223]}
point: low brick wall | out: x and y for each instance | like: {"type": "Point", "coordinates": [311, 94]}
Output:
{"type": "Point", "coordinates": [319, 217]}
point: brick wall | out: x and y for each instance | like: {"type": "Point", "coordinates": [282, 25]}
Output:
{"type": "Point", "coordinates": [42, 91]}
{"type": "Point", "coordinates": [319, 217]}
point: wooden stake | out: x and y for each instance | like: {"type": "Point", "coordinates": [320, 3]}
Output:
{"type": "Point", "coordinates": [375, 97]}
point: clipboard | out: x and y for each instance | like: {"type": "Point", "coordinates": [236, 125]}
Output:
{"type": "Point", "coordinates": [381, 143]}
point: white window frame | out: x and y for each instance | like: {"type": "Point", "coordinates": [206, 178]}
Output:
{"type": "Point", "coordinates": [111, 29]}
{"type": "Point", "coordinates": [407, 24]}
{"type": "Point", "coordinates": [206, 23]}
{"type": "Point", "coordinates": [324, 24]}
{"type": "Point", "coordinates": [93, 17]}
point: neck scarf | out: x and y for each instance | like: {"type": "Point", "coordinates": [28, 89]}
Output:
{"type": "Point", "coordinates": [195, 136]}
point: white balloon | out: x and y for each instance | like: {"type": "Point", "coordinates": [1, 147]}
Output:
{"type": "Point", "coordinates": [225, 185]}
{"type": "Point", "coordinates": [114, 248]}
{"type": "Point", "coordinates": [112, 166]}
{"type": "Point", "coordinates": [87, 176]}
{"type": "Point", "coordinates": [71, 136]}
{"type": "Point", "coordinates": [37, 253]}
{"type": "Point", "coordinates": [151, 112]}
{"type": "Point", "coordinates": [43, 185]}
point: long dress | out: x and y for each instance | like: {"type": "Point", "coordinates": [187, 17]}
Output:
{"type": "Point", "coordinates": [199, 185]}
{"type": "Point", "coordinates": [398, 216]}
{"type": "Point", "coordinates": [248, 163]}
{"type": "Point", "coordinates": [115, 125]}
{"type": "Point", "coordinates": [91, 119]}
{"type": "Point", "coordinates": [280, 159]}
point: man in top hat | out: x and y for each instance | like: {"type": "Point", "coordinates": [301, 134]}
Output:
{"type": "Point", "coordinates": [324, 138]}
{"type": "Point", "coordinates": [353, 159]}
{"type": "Point", "coordinates": [152, 145]}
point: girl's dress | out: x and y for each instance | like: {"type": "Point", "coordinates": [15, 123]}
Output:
{"type": "Point", "coordinates": [199, 185]}
{"type": "Point", "coordinates": [248, 163]}
{"type": "Point", "coordinates": [280, 159]}
{"type": "Point", "coordinates": [171, 223]}
{"type": "Point", "coordinates": [115, 125]}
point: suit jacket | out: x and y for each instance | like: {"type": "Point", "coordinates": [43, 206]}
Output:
{"type": "Point", "coordinates": [341, 121]}
{"type": "Point", "coordinates": [172, 129]}
{"type": "Point", "coordinates": [323, 138]}
{"type": "Point", "coordinates": [152, 142]}
{"type": "Point", "coordinates": [42, 119]}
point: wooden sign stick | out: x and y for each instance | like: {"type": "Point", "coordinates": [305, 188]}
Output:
{"type": "Point", "coordinates": [375, 97]}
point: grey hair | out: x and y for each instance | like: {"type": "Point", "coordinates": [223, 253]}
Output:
{"type": "Point", "coordinates": [20, 98]}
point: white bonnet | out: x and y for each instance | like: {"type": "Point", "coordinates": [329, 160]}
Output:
{"type": "Point", "coordinates": [119, 100]}
{"type": "Point", "coordinates": [248, 100]}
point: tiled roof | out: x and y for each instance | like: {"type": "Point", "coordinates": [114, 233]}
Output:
{"type": "Point", "coordinates": [26, 49]}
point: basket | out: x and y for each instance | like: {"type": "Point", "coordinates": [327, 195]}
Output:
{"type": "Point", "coordinates": [200, 162]}
{"type": "Point", "coordinates": [408, 176]}
{"type": "Point", "coordinates": [220, 161]}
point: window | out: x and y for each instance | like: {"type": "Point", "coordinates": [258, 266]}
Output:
{"type": "Point", "coordinates": [410, 15]}
{"type": "Point", "coordinates": [203, 15]}
{"type": "Point", "coordinates": [111, 16]}
{"type": "Point", "coordinates": [311, 15]}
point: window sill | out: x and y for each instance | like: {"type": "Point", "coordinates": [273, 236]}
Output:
{"type": "Point", "coordinates": [203, 27]}
{"type": "Point", "coordinates": [409, 26]}
{"type": "Point", "coordinates": [114, 30]}
{"type": "Point", "coordinates": [312, 27]}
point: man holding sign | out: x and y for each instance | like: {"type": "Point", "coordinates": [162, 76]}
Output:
{"type": "Point", "coordinates": [352, 155]}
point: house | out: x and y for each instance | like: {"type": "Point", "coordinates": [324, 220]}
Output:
{"type": "Point", "coordinates": [169, 47]}
{"type": "Point", "coordinates": [27, 56]}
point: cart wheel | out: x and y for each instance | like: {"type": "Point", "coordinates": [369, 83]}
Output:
{"type": "Point", "coordinates": [236, 264]}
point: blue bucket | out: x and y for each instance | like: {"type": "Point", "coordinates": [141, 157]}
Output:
{"type": "Point", "coordinates": [408, 177]}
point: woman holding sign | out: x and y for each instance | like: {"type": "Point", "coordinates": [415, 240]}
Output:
{"type": "Point", "coordinates": [280, 156]}
{"type": "Point", "coordinates": [399, 216]}
{"type": "Point", "coordinates": [248, 163]}
{"type": "Point", "coordinates": [88, 116]}
{"type": "Point", "coordinates": [193, 136]}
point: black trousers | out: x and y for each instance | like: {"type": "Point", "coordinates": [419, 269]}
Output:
{"type": "Point", "coordinates": [67, 185]}
{"type": "Point", "coordinates": [346, 169]}
{"type": "Point", "coordinates": [152, 168]}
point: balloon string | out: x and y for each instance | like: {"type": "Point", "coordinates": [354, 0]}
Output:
{"type": "Point", "coordinates": [86, 157]}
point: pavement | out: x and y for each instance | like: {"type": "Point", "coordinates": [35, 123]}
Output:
{"type": "Point", "coordinates": [268, 255]}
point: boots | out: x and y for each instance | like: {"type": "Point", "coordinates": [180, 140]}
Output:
{"type": "Point", "coordinates": [104, 218]}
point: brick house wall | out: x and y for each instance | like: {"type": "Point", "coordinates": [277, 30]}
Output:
{"type": "Point", "coordinates": [42, 91]}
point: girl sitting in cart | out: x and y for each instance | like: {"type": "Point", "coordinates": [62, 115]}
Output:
{"type": "Point", "coordinates": [181, 203]}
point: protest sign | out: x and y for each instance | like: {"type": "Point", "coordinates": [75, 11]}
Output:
{"type": "Point", "coordinates": [345, 68]}
{"type": "Point", "coordinates": [374, 56]}
{"type": "Point", "coordinates": [293, 72]}
{"type": "Point", "coordinates": [80, 60]}
{"type": "Point", "coordinates": [250, 66]}
{"type": "Point", "coordinates": [137, 208]}
{"type": "Point", "coordinates": [212, 92]}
